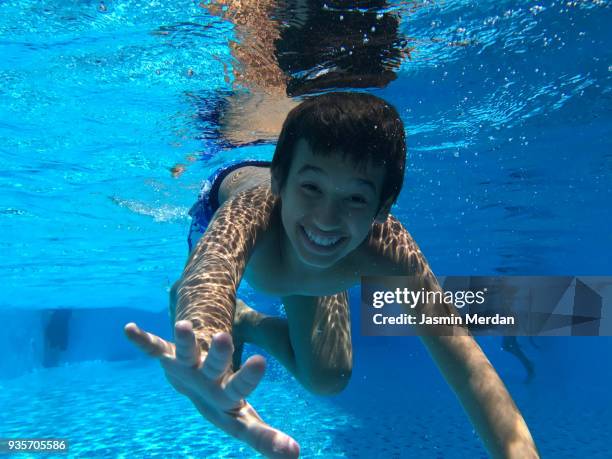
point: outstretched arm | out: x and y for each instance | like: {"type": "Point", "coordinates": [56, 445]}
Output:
{"type": "Point", "coordinates": [206, 292]}
{"type": "Point", "coordinates": [198, 364]}
{"type": "Point", "coordinates": [465, 367]}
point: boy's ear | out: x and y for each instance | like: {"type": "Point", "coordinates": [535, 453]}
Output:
{"type": "Point", "coordinates": [383, 213]}
{"type": "Point", "coordinates": [275, 182]}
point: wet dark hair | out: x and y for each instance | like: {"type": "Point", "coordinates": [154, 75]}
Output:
{"type": "Point", "coordinates": [361, 127]}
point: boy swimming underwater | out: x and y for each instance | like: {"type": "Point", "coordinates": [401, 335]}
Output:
{"type": "Point", "coordinates": [307, 229]}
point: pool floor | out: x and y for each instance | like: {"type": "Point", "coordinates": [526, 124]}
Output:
{"type": "Point", "coordinates": [126, 409]}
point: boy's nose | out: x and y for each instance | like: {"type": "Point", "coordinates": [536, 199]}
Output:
{"type": "Point", "coordinates": [328, 216]}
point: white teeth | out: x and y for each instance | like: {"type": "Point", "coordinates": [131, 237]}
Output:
{"type": "Point", "coordinates": [321, 240]}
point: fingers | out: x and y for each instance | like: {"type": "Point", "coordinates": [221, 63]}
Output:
{"type": "Point", "coordinates": [148, 343]}
{"type": "Point", "coordinates": [271, 442]}
{"type": "Point", "coordinates": [268, 441]}
{"type": "Point", "coordinates": [219, 356]}
{"type": "Point", "coordinates": [187, 349]}
{"type": "Point", "coordinates": [244, 381]}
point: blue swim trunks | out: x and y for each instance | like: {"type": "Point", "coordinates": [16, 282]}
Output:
{"type": "Point", "coordinates": [208, 200]}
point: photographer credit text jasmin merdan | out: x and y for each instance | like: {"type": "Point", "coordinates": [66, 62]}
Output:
{"type": "Point", "coordinates": [412, 298]}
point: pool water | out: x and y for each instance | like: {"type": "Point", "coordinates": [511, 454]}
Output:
{"type": "Point", "coordinates": [507, 107]}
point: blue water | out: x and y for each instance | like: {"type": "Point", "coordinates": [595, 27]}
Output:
{"type": "Point", "coordinates": [507, 107]}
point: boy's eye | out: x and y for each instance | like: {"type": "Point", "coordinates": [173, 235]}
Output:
{"type": "Point", "coordinates": [310, 187]}
{"type": "Point", "coordinates": [356, 199]}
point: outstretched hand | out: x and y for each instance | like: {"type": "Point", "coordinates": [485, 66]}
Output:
{"type": "Point", "coordinates": [218, 393]}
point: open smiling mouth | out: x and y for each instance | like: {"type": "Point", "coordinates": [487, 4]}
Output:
{"type": "Point", "coordinates": [320, 244]}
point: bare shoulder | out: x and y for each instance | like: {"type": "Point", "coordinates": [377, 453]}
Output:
{"type": "Point", "coordinates": [390, 250]}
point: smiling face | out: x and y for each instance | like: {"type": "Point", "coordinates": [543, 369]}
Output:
{"type": "Point", "coordinates": [328, 206]}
